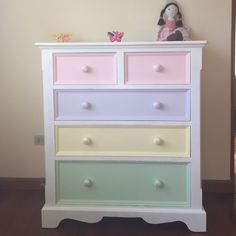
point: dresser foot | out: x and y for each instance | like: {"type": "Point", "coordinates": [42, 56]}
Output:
{"type": "Point", "coordinates": [52, 216]}
{"type": "Point", "coordinates": [195, 220]}
{"type": "Point", "coordinates": [196, 224]}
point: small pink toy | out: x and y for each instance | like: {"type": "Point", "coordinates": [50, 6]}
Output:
{"type": "Point", "coordinates": [62, 37]}
{"type": "Point", "coordinates": [115, 36]}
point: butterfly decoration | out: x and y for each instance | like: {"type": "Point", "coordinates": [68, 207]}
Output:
{"type": "Point", "coordinates": [115, 36]}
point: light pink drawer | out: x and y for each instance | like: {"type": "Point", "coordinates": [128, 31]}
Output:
{"type": "Point", "coordinates": [157, 68]}
{"type": "Point", "coordinates": [85, 68]}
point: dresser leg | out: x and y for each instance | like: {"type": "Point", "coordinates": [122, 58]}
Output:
{"type": "Point", "coordinates": [196, 224]}
{"type": "Point", "coordinates": [194, 219]}
{"type": "Point", "coordinates": [52, 216]}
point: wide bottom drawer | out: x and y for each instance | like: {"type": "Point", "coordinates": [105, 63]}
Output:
{"type": "Point", "coordinates": [109, 183]}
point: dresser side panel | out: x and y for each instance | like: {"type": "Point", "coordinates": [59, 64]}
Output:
{"type": "Point", "coordinates": [47, 65]}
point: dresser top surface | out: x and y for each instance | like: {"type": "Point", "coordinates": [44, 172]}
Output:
{"type": "Point", "coordinates": [154, 44]}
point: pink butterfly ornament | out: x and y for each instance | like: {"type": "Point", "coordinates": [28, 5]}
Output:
{"type": "Point", "coordinates": [115, 36]}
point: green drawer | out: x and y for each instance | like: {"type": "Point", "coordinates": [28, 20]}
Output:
{"type": "Point", "coordinates": [110, 183]}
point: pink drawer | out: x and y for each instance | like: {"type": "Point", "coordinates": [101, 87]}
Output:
{"type": "Point", "coordinates": [85, 68]}
{"type": "Point", "coordinates": [165, 105]}
{"type": "Point", "coordinates": [157, 68]}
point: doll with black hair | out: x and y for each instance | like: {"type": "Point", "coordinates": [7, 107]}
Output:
{"type": "Point", "coordinates": [170, 25]}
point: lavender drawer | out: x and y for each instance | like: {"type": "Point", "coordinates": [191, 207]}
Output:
{"type": "Point", "coordinates": [121, 105]}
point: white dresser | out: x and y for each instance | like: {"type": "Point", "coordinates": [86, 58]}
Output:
{"type": "Point", "coordinates": [122, 132]}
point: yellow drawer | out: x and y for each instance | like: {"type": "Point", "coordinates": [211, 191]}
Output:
{"type": "Point", "coordinates": [171, 141]}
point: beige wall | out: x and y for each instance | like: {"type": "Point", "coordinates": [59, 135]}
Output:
{"type": "Point", "coordinates": [27, 21]}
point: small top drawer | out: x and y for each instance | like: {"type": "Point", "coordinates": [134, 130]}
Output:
{"type": "Point", "coordinates": [85, 68]}
{"type": "Point", "coordinates": [157, 68]}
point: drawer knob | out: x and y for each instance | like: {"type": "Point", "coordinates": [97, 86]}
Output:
{"type": "Point", "coordinates": [87, 141]}
{"type": "Point", "coordinates": [88, 183]}
{"type": "Point", "coordinates": [157, 68]}
{"type": "Point", "coordinates": [157, 105]}
{"type": "Point", "coordinates": [86, 105]}
{"type": "Point", "coordinates": [85, 68]}
{"type": "Point", "coordinates": [158, 183]}
{"type": "Point", "coordinates": [157, 141]}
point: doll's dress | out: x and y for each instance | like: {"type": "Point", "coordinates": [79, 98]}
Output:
{"type": "Point", "coordinates": [169, 32]}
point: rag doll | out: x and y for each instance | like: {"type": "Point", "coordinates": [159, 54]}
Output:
{"type": "Point", "coordinates": [170, 25]}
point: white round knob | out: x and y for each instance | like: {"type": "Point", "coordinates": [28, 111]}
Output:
{"type": "Point", "coordinates": [157, 105]}
{"type": "Point", "coordinates": [157, 68]}
{"type": "Point", "coordinates": [158, 183]}
{"type": "Point", "coordinates": [157, 141]}
{"type": "Point", "coordinates": [85, 68]}
{"type": "Point", "coordinates": [88, 183]}
{"type": "Point", "coordinates": [86, 141]}
{"type": "Point", "coordinates": [85, 105]}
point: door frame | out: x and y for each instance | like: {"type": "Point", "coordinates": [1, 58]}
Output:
{"type": "Point", "coordinates": [233, 114]}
